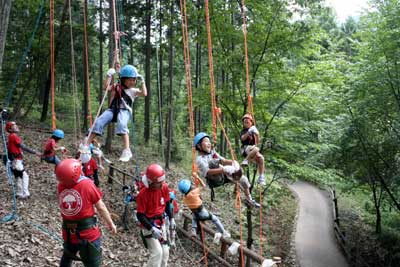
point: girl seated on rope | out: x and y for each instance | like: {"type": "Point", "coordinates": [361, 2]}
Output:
{"type": "Point", "coordinates": [193, 201]}
{"type": "Point", "coordinates": [250, 139]}
{"type": "Point", "coordinates": [218, 170]}
{"type": "Point", "coordinates": [51, 147]}
{"type": "Point", "coordinates": [123, 95]}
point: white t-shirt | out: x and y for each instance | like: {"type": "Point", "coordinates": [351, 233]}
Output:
{"type": "Point", "coordinates": [203, 162]}
{"type": "Point", "coordinates": [132, 93]}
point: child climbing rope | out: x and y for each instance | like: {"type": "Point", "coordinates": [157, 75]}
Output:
{"type": "Point", "coordinates": [15, 149]}
{"type": "Point", "coordinates": [193, 201]}
{"type": "Point", "coordinates": [51, 147]}
{"type": "Point", "coordinates": [250, 139]}
{"type": "Point", "coordinates": [218, 170]}
{"type": "Point", "coordinates": [77, 199]}
{"type": "Point", "coordinates": [123, 95]}
{"type": "Point", "coordinates": [153, 203]}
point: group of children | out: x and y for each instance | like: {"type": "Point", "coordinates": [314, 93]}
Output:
{"type": "Point", "coordinates": [79, 196]}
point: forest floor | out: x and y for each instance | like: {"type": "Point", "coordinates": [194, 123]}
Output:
{"type": "Point", "coordinates": [34, 238]}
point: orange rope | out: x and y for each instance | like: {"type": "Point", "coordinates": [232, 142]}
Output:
{"type": "Point", "coordinates": [52, 67]}
{"type": "Point", "coordinates": [211, 70]}
{"type": "Point", "coordinates": [87, 62]}
{"type": "Point", "coordinates": [186, 51]}
{"type": "Point", "coordinates": [250, 106]}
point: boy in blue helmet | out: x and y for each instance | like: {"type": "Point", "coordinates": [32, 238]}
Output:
{"type": "Point", "coordinates": [123, 95]}
{"type": "Point", "coordinates": [51, 147]}
{"type": "Point", "coordinates": [217, 170]}
{"type": "Point", "coordinates": [193, 201]}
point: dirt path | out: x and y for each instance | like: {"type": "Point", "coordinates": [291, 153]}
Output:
{"type": "Point", "coordinates": [315, 242]}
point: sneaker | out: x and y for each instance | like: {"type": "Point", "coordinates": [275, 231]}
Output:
{"type": "Point", "coordinates": [261, 180]}
{"type": "Point", "coordinates": [126, 155]}
{"type": "Point", "coordinates": [252, 203]}
{"type": "Point", "coordinates": [245, 162]}
{"type": "Point", "coordinates": [193, 233]}
{"type": "Point", "coordinates": [226, 234]}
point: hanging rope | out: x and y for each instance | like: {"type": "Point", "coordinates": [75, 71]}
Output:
{"type": "Point", "coordinates": [186, 53]}
{"type": "Point", "coordinates": [158, 45]}
{"type": "Point", "coordinates": [211, 71]}
{"type": "Point", "coordinates": [250, 109]}
{"type": "Point", "coordinates": [52, 82]}
{"type": "Point", "coordinates": [87, 61]}
{"type": "Point", "coordinates": [7, 101]}
{"type": "Point", "coordinates": [74, 87]}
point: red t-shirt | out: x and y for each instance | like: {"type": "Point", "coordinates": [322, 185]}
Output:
{"type": "Point", "coordinates": [89, 167]}
{"type": "Point", "coordinates": [152, 202]}
{"type": "Point", "coordinates": [13, 145]}
{"type": "Point", "coordinates": [49, 147]}
{"type": "Point", "coordinates": [77, 203]}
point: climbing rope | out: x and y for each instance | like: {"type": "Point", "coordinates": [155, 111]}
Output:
{"type": "Point", "coordinates": [251, 110]}
{"type": "Point", "coordinates": [186, 52]}
{"type": "Point", "coordinates": [84, 3]}
{"type": "Point", "coordinates": [74, 87]}
{"type": "Point", "coordinates": [211, 71]}
{"type": "Point", "coordinates": [52, 82]}
{"type": "Point", "coordinates": [24, 56]}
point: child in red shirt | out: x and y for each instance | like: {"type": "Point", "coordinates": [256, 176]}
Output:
{"type": "Point", "coordinates": [51, 147]}
{"type": "Point", "coordinates": [15, 149]}
{"type": "Point", "coordinates": [153, 202]}
{"type": "Point", "coordinates": [77, 199]}
{"type": "Point", "coordinates": [89, 165]}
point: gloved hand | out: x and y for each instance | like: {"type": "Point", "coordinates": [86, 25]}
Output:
{"type": "Point", "coordinates": [111, 72]}
{"type": "Point", "coordinates": [253, 130]}
{"type": "Point", "coordinates": [229, 169]}
{"type": "Point", "coordinates": [141, 78]}
{"type": "Point", "coordinates": [172, 195]}
{"type": "Point", "coordinates": [236, 165]}
{"type": "Point", "coordinates": [157, 233]}
{"type": "Point", "coordinates": [172, 224]}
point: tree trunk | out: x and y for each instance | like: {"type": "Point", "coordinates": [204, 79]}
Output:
{"type": "Point", "coordinates": [57, 47]}
{"type": "Point", "coordinates": [5, 7]}
{"type": "Point", "coordinates": [170, 91]}
{"type": "Point", "coordinates": [148, 73]}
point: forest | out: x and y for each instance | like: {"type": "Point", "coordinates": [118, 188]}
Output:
{"type": "Point", "coordinates": [325, 95]}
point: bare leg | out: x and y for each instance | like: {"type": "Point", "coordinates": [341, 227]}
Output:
{"type": "Point", "coordinates": [125, 139]}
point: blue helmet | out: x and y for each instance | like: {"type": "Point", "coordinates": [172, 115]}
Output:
{"type": "Point", "coordinates": [58, 133]}
{"type": "Point", "coordinates": [197, 139]}
{"type": "Point", "coordinates": [184, 186]}
{"type": "Point", "coordinates": [128, 71]}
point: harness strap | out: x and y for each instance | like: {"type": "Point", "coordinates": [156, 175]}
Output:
{"type": "Point", "coordinates": [79, 225]}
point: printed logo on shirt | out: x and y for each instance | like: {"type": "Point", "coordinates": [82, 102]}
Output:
{"type": "Point", "coordinates": [70, 202]}
{"type": "Point", "coordinates": [162, 202]}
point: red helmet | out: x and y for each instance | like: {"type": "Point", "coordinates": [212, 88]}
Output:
{"type": "Point", "coordinates": [9, 125]}
{"type": "Point", "coordinates": [247, 116]}
{"type": "Point", "coordinates": [69, 171]}
{"type": "Point", "coordinates": [155, 173]}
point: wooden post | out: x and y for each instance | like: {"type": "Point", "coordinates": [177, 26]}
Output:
{"type": "Point", "coordinates": [111, 173]}
{"type": "Point", "coordinates": [336, 208]}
